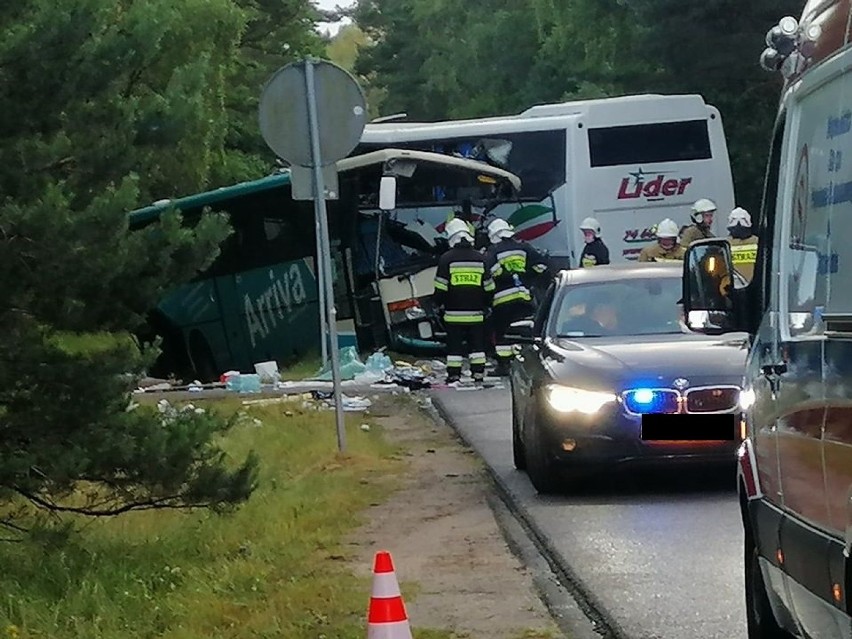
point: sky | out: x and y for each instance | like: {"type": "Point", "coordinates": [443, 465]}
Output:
{"type": "Point", "coordinates": [331, 4]}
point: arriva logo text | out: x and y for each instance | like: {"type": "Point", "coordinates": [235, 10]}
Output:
{"type": "Point", "coordinates": [638, 185]}
{"type": "Point", "coordinates": [278, 299]}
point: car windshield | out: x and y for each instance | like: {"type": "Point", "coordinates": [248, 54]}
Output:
{"type": "Point", "coordinates": [647, 306]}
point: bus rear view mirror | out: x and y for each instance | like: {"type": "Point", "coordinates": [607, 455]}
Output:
{"type": "Point", "coordinates": [708, 304]}
{"type": "Point", "coordinates": [387, 193]}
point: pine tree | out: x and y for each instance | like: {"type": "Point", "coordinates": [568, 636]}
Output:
{"type": "Point", "coordinates": [105, 105]}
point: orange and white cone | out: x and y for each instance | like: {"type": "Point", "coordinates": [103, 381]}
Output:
{"type": "Point", "coordinates": [386, 618]}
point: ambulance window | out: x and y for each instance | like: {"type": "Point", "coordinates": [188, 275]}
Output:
{"type": "Point", "coordinates": [647, 143]}
{"type": "Point", "coordinates": [821, 208]}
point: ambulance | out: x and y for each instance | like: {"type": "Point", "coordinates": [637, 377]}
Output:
{"type": "Point", "coordinates": [795, 462]}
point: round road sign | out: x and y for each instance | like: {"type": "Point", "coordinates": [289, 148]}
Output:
{"type": "Point", "coordinates": [340, 106]}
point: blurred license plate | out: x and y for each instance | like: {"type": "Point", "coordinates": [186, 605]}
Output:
{"type": "Point", "coordinates": [699, 428]}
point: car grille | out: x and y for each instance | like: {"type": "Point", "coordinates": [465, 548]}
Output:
{"type": "Point", "coordinates": [656, 400]}
{"type": "Point", "coordinates": [712, 400]}
{"type": "Point", "coordinates": [666, 400]}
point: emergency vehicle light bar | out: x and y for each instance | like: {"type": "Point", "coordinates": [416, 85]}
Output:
{"type": "Point", "coordinates": [788, 46]}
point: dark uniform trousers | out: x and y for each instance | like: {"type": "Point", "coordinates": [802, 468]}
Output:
{"type": "Point", "coordinates": [512, 263]}
{"type": "Point", "coordinates": [464, 287]}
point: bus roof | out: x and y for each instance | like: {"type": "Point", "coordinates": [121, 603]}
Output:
{"type": "Point", "coordinates": [626, 109]}
{"type": "Point", "coordinates": [142, 216]}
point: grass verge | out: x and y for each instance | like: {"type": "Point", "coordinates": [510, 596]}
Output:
{"type": "Point", "coordinates": [271, 569]}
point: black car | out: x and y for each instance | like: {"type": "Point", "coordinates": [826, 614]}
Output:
{"type": "Point", "coordinates": [608, 373]}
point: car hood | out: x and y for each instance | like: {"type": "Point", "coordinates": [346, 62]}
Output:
{"type": "Point", "coordinates": [617, 364]}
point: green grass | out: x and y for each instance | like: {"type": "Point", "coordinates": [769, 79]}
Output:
{"type": "Point", "coordinates": [271, 569]}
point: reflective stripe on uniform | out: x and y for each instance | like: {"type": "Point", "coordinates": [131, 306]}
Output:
{"type": "Point", "coordinates": [454, 360]}
{"type": "Point", "coordinates": [477, 358]}
{"type": "Point", "coordinates": [744, 253]}
{"type": "Point", "coordinates": [505, 350]}
{"type": "Point", "coordinates": [463, 317]}
{"type": "Point", "coordinates": [514, 261]}
{"type": "Point", "coordinates": [667, 259]}
{"type": "Point", "coordinates": [516, 293]}
{"type": "Point", "coordinates": [441, 283]}
{"type": "Point", "coordinates": [466, 273]}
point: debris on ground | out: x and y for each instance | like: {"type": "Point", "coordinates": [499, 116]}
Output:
{"type": "Point", "coordinates": [378, 372]}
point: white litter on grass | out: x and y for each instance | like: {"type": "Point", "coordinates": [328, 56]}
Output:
{"type": "Point", "coordinates": [267, 371]}
{"type": "Point", "coordinates": [286, 399]}
{"type": "Point", "coordinates": [365, 428]}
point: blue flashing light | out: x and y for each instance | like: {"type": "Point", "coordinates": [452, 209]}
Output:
{"type": "Point", "coordinates": [643, 396]}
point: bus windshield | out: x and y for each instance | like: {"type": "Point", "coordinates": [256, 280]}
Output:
{"type": "Point", "coordinates": [537, 157]}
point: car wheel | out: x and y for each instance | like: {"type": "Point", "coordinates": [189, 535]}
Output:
{"type": "Point", "coordinates": [518, 452]}
{"type": "Point", "coordinates": [759, 616]}
{"type": "Point", "coordinates": [540, 465]}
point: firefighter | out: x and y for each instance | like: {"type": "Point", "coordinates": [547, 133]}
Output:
{"type": "Point", "coordinates": [743, 242]}
{"type": "Point", "coordinates": [667, 248]}
{"type": "Point", "coordinates": [463, 289]}
{"type": "Point", "coordinates": [514, 265]}
{"type": "Point", "coordinates": [702, 219]}
{"type": "Point", "coordinates": [595, 252]}
{"type": "Point", "coordinates": [465, 214]}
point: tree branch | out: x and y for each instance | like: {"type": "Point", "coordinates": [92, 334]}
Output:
{"type": "Point", "coordinates": [164, 503]}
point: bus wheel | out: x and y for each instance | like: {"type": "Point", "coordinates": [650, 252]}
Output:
{"type": "Point", "coordinates": [203, 362]}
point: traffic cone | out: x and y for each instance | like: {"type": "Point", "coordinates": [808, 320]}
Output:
{"type": "Point", "coordinates": [386, 618]}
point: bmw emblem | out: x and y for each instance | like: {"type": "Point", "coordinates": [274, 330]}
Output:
{"type": "Point", "coordinates": [681, 383]}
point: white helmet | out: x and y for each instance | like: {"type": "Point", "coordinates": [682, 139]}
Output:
{"type": "Point", "coordinates": [739, 216]}
{"type": "Point", "coordinates": [667, 229]}
{"type": "Point", "coordinates": [591, 224]}
{"type": "Point", "coordinates": [701, 207]}
{"type": "Point", "coordinates": [457, 230]}
{"type": "Point", "coordinates": [499, 229]}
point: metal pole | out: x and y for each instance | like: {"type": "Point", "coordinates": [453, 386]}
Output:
{"type": "Point", "coordinates": [319, 199]}
{"type": "Point", "coordinates": [319, 267]}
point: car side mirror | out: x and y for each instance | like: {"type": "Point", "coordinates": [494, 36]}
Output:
{"type": "Point", "coordinates": [387, 193]}
{"type": "Point", "coordinates": [522, 332]}
{"type": "Point", "coordinates": [708, 285]}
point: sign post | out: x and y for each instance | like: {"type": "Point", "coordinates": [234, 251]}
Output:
{"type": "Point", "coordinates": [312, 114]}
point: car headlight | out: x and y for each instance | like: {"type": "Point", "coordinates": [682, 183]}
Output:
{"type": "Point", "coordinates": [565, 399]}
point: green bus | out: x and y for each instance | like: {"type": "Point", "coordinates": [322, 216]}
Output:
{"type": "Point", "coordinates": [259, 300]}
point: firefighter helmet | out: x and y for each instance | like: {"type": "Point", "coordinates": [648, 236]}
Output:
{"type": "Point", "coordinates": [499, 229]}
{"type": "Point", "coordinates": [701, 207]}
{"type": "Point", "coordinates": [667, 229]}
{"type": "Point", "coordinates": [458, 230]}
{"type": "Point", "coordinates": [591, 224]}
{"type": "Point", "coordinates": [739, 216]}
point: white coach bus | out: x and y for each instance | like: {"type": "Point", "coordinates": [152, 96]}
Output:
{"type": "Point", "coordinates": [627, 161]}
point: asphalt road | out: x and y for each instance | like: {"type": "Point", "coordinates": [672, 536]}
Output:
{"type": "Point", "coordinates": [658, 555]}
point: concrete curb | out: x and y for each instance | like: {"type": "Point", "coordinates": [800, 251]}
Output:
{"type": "Point", "coordinates": [575, 609]}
